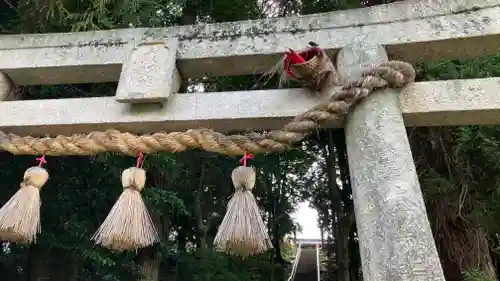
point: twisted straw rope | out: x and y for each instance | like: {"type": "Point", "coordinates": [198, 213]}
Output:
{"type": "Point", "coordinates": [393, 74]}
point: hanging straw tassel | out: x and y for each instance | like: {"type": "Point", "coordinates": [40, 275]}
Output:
{"type": "Point", "coordinates": [20, 216]}
{"type": "Point", "coordinates": [242, 231]}
{"type": "Point", "coordinates": [128, 225]}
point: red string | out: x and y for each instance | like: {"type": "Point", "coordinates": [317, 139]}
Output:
{"type": "Point", "coordinates": [246, 156]}
{"type": "Point", "coordinates": [139, 159]}
{"type": "Point", "coordinates": [292, 58]}
{"type": "Point", "coordinates": [41, 160]}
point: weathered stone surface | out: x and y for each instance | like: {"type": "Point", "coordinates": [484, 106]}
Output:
{"type": "Point", "coordinates": [6, 87]}
{"type": "Point", "coordinates": [438, 103]}
{"type": "Point", "coordinates": [395, 238]}
{"type": "Point", "coordinates": [150, 73]}
{"type": "Point", "coordinates": [413, 31]}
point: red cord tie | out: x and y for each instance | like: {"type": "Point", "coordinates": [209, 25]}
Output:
{"type": "Point", "coordinates": [292, 58]}
{"type": "Point", "coordinates": [41, 160]}
{"type": "Point", "coordinates": [246, 156]}
{"type": "Point", "coordinates": [139, 160]}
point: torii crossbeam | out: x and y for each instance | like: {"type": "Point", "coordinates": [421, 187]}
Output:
{"type": "Point", "coordinates": [412, 31]}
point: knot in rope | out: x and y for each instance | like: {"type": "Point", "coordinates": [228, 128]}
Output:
{"type": "Point", "coordinates": [243, 178]}
{"type": "Point", "coordinates": [133, 187]}
{"type": "Point", "coordinates": [134, 178]}
{"type": "Point", "coordinates": [35, 177]}
{"type": "Point", "coordinates": [311, 67]}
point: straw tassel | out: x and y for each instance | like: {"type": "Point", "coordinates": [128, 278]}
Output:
{"type": "Point", "coordinates": [128, 225]}
{"type": "Point", "coordinates": [242, 231]}
{"type": "Point", "coordinates": [20, 216]}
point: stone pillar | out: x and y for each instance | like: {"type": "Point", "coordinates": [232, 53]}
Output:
{"type": "Point", "coordinates": [395, 238]}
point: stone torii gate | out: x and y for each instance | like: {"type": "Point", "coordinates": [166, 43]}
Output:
{"type": "Point", "coordinates": [396, 242]}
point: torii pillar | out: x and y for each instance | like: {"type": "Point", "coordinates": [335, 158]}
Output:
{"type": "Point", "coordinates": [395, 237]}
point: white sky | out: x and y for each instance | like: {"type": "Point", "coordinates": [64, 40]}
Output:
{"type": "Point", "coordinates": [307, 217]}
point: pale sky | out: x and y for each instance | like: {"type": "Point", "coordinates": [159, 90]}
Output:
{"type": "Point", "coordinates": [307, 217]}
